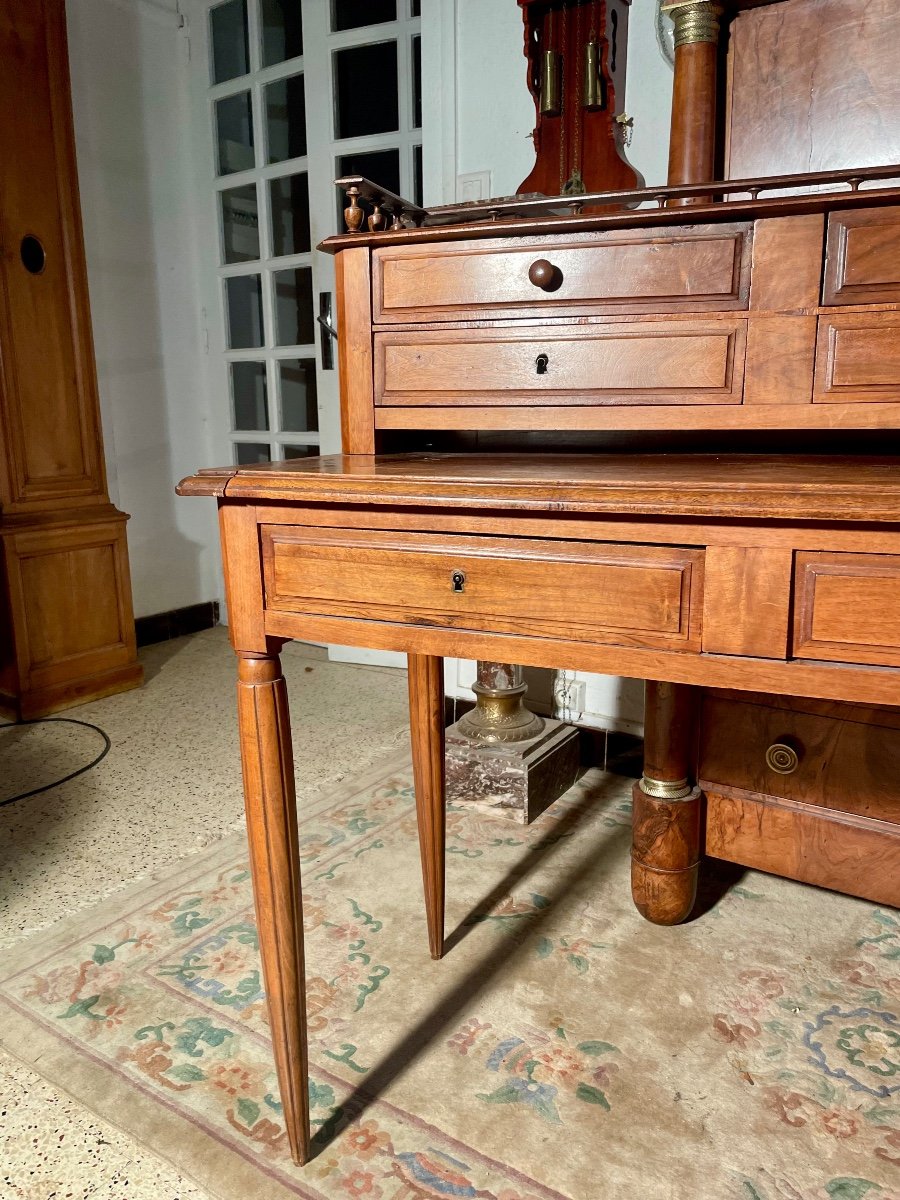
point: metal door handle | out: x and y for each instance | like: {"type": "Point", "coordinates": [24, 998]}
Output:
{"type": "Point", "coordinates": [329, 334]}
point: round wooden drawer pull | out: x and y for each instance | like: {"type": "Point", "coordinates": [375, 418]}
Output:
{"type": "Point", "coordinates": [544, 275]}
{"type": "Point", "coordinates": [782, 758]}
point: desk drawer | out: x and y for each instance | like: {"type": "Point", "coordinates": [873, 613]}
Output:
{"type": "Point", "coordinates": [847, 608]}
{"type": "Point", "coordinates": [584, 591]}
{"type": "Point", "coordinates": [679, 361]}
{"type": "Point", "coordinates": [625, 271]}
{"type": "Point", "coordinates": [858, 358]}
{"type": "Point", "coordinates": [862, 264]}
{"type": "Point", "coordinates": [846, 761]}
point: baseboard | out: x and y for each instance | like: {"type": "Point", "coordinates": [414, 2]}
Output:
{"type": "Point", "coordinates": [162, 627]}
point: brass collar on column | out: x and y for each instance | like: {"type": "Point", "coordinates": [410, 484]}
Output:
{"type": "Point", "coordinates": [694, 20]}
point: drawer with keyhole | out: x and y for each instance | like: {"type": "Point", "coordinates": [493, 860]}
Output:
{"type": "Point", "coordinates": [682, 360]}
{"type": "Point", "coordinates": [632, 595]}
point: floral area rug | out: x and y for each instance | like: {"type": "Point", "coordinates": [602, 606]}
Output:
{"type": "Point", "coordinates": [564, 1049]}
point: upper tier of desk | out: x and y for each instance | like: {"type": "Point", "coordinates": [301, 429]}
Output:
{"type": "Point", "coordinates": [775, 313]}
{"type": "Point", "coordinates": [753, 487]}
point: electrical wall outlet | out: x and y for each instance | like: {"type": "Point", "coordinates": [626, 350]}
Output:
{"type": "Point", "coordinates": [568, 696]}
{"type": "Point", "coordinates": [474, 185]}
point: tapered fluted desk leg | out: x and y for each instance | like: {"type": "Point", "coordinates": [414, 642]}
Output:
{"type": "Point", "coordinates": [426, 719]}
{"type": "Point", "coordinates": [268, 769]}
{"type": "Point", "coordinates": [665, 855]}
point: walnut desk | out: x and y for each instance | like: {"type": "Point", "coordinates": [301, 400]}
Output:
{"type": "Point", "coordinates": [777, 573]}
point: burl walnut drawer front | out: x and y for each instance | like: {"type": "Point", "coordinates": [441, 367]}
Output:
{"type": "Point", "coordinates": [862, 264]}
{"type": "Point", "coordinates": [846, 762]}
{"type": "Point", "coordinates": [596, 592]}
{"type": "Point", "coordinates": [612, 272]}
{"type": "Point", "coordinates": [847, 608]}
{"type": "Point", "coordinates": [679, 361]}
{"type": "Point", "coordinates": [858, 358]}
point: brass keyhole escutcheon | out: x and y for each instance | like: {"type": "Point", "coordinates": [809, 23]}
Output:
{"type": "Point", "coordinates": [542, 362]}
{"type": "Point", "coordinates": [457, 581]}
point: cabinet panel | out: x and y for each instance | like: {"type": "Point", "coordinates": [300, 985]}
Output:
{"type": "Point", "coordinates": [48, 383]}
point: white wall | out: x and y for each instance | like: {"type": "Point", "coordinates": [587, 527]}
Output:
{"type": "Point", "coordinates": [129, 71]}
{"type": "Point", "coordinates": [477, 119]}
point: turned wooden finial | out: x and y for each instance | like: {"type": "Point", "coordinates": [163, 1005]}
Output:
{"type": "Point", "coordinates": [353, 214]}
{"type": "Point", "coordinates": [377, 220]}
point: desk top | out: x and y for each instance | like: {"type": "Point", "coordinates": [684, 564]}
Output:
{"type": "Point", "coordinates": [751, 486]}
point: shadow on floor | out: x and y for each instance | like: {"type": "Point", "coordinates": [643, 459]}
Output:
{"type": "Point", "coordinates": [417, 1039]}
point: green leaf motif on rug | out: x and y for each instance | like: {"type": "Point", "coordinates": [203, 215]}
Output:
{"type": "Point", "coordinates": [591, 1095]}
{"type": "Point", "coordinates": [187, 922]}
{"type": "Point", "coordinates": [321, 1095]}
{"type": "Point", "coordinates": [248, 1111]}
{"type": "Point", "coordinates": [850, 1189]}
{"type": "Point", "coordinates": [107, 954]}
{"type": "Point", "coordinates": [82, 1008]}
{"type": "Point", "coordinates": [186, 1073]}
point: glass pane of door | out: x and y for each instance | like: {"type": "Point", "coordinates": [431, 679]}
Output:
{"type": "Point", "coordinates": [282, 30]}
{"type": "Point", "coordinates": [230, 43]}
{"type": "Point", "coordinates": [366, 90]}
{"type": "Point", "coordinates": [354, 14]}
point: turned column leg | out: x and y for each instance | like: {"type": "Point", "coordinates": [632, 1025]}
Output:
{"type": "Point", "coordinates": [426, 720]}
{"type": "Point", "coordinates": [665, 855]}
{"type": "Point", "coordinates": [692, 136]}
{"type": "Point", "coordinates": [268, 769]}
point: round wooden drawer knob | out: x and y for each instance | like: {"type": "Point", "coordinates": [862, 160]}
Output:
{"type": "Point", "coordinates": [782, 758]}
{"type": "Point", "coordinates": [544, 275]}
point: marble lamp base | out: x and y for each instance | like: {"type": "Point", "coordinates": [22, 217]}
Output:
{"type": "Point", "coordinates": [515, 779]}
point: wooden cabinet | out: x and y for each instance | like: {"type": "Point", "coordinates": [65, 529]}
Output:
{"type": "Point", "coordinates": [66, 625]}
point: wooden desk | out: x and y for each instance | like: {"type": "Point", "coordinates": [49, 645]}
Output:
{"type": "Point", "coordinates": [778, 574]}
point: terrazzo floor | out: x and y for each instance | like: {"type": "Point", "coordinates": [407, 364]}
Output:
{"type": "Point", "coordinates": [169, 787]}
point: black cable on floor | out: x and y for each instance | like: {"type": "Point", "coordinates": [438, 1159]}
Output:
{"type": "Point", "coordinates": [65, 779]}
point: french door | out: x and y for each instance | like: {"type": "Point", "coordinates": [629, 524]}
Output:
{"type": "Point", "coordinates": [288, 95]}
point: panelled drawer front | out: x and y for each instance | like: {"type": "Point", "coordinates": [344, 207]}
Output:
{"type": "Point", "coordinates": [616, 594]}
{"type": "Point", "coordinates": [862, 264]}
{"type": "Point", "coordinates": [844, 764]}
{"type": "Point", "coordinates": [858, 358]}
{"type": "Point", "coordinates": [847, 608]}
{"type": "Point", "coordinates": [613, 272]}
{"type": "Point", "coordinates": [624, 362]}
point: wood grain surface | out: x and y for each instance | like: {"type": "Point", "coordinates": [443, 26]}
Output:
{"type": "Point", "coordinates": [628, 595]}
{"type": "Point", "coordinates": [271, 810]}
{"type": "Point", "coordinates": [847, 754]}
{"type": "Point", "coordinates": [690, 270]}
{"type": "Point", "coordinates": [752, 486]}
{"type": "Point", "coordinates": [426, 719]}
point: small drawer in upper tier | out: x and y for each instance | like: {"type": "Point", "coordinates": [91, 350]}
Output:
{"type": "Point", "coordinates": [847, 608]}
{"type": "Point", "coordinates": [620, 271]}
{"type": "Point", "coordinates": [684, 360]}
{"type": "Point", "coordinates": [862, 264]}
